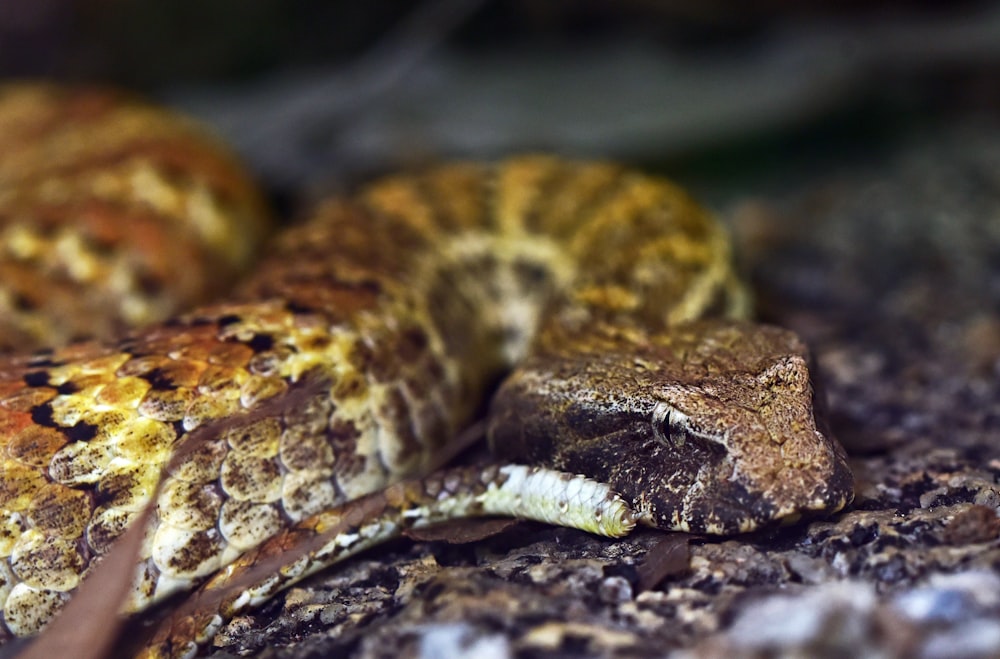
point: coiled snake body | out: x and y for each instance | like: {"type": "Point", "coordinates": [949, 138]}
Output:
{"type": "Point", "coordinates": [596, 284]}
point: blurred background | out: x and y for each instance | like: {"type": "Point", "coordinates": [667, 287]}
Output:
{"type": "Point", "coordinates": [727, 97]}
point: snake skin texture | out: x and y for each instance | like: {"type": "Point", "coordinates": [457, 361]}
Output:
{"type": "Point", "coordinates": [113, 214]}
{"type": "Point", "coordinates": [406, 303]}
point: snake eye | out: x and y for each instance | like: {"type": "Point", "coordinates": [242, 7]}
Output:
{"type": "Point", "coordinates": [669, 424]}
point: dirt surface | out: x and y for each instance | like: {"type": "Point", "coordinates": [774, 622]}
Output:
{"type": "Point", "coordinates": [891, 271]}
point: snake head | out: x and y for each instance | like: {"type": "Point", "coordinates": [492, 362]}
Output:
{"type": "Point", "coordinates": [708, 427]}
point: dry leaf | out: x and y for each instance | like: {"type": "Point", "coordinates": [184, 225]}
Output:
{"type": "Point", "coordinates": [669, 557]}
{"type": "Point", "coordinates": [461, 531]}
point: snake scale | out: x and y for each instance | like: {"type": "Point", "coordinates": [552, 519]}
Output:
{"type": "Point", "coordinates": [608, 296]}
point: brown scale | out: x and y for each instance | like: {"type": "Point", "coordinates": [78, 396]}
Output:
{"type": "Point", "coordinates": [399, 307]}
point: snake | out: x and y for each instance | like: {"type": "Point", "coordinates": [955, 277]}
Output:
{"type": "Point", "coordinates": [598, 305]}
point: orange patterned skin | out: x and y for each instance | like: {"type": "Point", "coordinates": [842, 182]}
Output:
{"type": "Point", "coordinates": [406, 302]}
{"type": "Point", "coordinates": [113, 214]}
